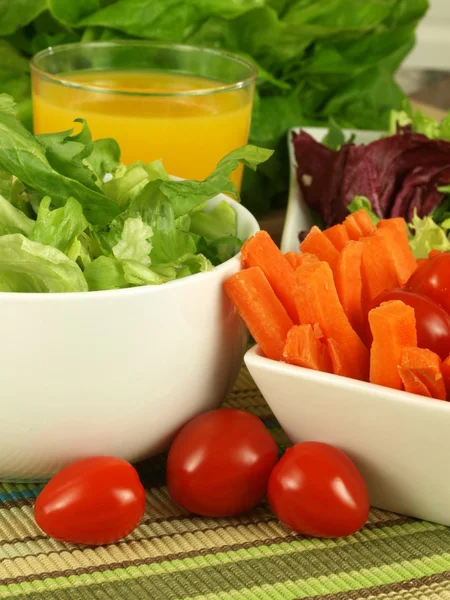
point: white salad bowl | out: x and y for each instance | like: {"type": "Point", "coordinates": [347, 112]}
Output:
{"type": "Point", "coordinates": [114, 372]}
{"type": "Point", "coordinates": [399, 441]}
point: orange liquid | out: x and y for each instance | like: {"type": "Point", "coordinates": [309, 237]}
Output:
{"type": "Point", "coordinates": [190, 133]}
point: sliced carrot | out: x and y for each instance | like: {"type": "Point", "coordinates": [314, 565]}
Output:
{"type": "Point", "coordinates": [393, 326]}
{"type": "Point", "coordinates": [337, 235]}
{"type": "Point", "coordinates": [377, 269]}
{"type": "Point", "coordinates": [304, 349]}
{"type": "Point", "coordinates": [445, 370]}
{"type": "Point", "coordinates": [296, 259]}
{"type": "Point", "coordinates": [412, 383]}
{"type": "Point", "coordinates": [434, 252]}
{"type": "Point", "coordinates": [261, 310]}
{"type": "Point", "coordinates": [347, 277]}
{"type": "Point", "coordinates": [426, 366]}
{"type": "Point", "coordinates": [395, 230]}
{"type": "Point", "coordinates": [317, 243]}
{"type": "Point", "coordinates": [261, 251]}
{"type": "Point", "coordinates": [340, 358]}
{"type": "Point", "coordinates": [354, 231]}
{"type": "Point", "coordinates": [318, 303]}
{"type": "Point", "coordinates": [364, 222]}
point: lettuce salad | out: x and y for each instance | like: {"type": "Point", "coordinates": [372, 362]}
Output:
{"type": "Point", "coordinates": [74, 219]}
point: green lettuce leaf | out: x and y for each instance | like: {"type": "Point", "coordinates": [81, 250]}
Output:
{"type": "Point", "coordinates": [214, 224]}
{"type": "Point", "coordinates": [59, 227]}
{"type": "Point", "coordinates": [104, 158]}
{"type": "Point", "coordinates": [13, 220]}
{"type": "Point", "coordinates": [134, 243]}
{"type": "Point", "coordinates": [18, 14]}
{"type": "Point", "coordinates": [420, 123]}
{"type": "Point", "coordinates": [66, 152]}
{"type": "Point", "coordinates": [27, 266]}
{"type": "Point", "coordinates": [128, 181]}
{"type": "Point", "coordinates": [106, 273]}
{"type": "Point", "coordinates": [428, 235]}
{"type": "Point", "coordinates": [23, 156]}
{"type": "Point", "coordinates": [185, 196]}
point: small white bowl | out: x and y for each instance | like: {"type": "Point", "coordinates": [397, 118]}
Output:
{"type": "Point", "coordinates": [114, 372]}
{"type": "Point", "coordinates": [298, 217]}
{"type": "Point", "coordinates": [399, 441]}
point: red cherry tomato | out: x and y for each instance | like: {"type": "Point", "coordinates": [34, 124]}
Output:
{"type": "Point", "coordinates": [316, 490]}
{"type": "Point", "coordinates": [432, 279]}
{"type": "Point", "coordinates": [445, 370]}
{"type": "Point", "coordinates": [93, 501]}
{"type": "Point", "coordinates": [432, 322]}
{"type": "Point", "coordinates": [219, 463]}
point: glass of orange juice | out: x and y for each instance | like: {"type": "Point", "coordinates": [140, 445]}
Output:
{"type": "Point", "coordinates": [187, 105]}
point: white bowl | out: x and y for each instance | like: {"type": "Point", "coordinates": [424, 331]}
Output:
{"type": "Point", "coordinates": [114, 372]}
{"type": "Point", "coordinates": [399, 441]}
{"type": "Point", "coordinates": [298, 217]}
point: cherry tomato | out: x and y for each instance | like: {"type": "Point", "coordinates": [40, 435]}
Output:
{"type": "Point", "coordinates": [432, 322]}
{"type": "Point", "coordinates": [93, 501]}
{"type": "Point", "coordinates": [316, 490]}
{"type": "Point", "coordinates": [219, 463]}
{"type": "Point", "coordinates": [432, 279]}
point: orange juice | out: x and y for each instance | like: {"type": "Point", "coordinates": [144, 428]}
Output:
{"type": "Point", "coordinates": [190, 132]}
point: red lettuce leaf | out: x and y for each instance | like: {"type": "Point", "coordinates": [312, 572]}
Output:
{"type": "Point", "coordinates": [398, 174]}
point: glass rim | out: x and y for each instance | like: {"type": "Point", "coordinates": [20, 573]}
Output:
{"type": "Point", "coordinates": [226, 87]}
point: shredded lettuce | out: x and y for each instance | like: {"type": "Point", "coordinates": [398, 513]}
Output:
{"type": "Point", "coordinates": [73, 218]}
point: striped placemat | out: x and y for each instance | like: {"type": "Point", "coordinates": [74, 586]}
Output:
{"type": "Point", "coordinates": [174, 555]}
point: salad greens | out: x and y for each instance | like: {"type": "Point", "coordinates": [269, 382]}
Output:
{"type": "Point", "coordinates": [73, 218]}
{"type": "Point", "coordinates": [316, 58]}
{"type": "Point", "coordinates": [405, 173]}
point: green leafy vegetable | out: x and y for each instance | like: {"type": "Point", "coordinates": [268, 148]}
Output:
{"type": "Point", "coordinates": [22, 155]}
{"type": "Point", "coordinates": [428, 235]}
{"type": "Point", "coordinates": [27, 266]}
{"type": "Point", "coordinates": [317, 58]}
{"type": "Point", "coordinates": [73, 218]}
{"type": "Point", "coordinates": [59, 227]}
{"type": "Point", "coordinates": [420, 123]}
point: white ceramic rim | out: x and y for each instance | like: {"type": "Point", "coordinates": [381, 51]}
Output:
{"type": "Point", "coordinates": [255, 358]}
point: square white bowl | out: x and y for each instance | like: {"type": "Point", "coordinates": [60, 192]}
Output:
{"type": "Point", "coordinates": [400, 442]}
{"type": "Point", "coordinates": [298, 217]}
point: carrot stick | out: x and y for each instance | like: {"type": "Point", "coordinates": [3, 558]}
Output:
{"type": "Point", "coordinates": [337, 235]}
{"type": "Point", "coordinates": [393, 326]}
{"type": "Point", "coordinates": [364, 222]}
{"type": "Point", "coordinates": [412, 383]}
{"type": "Point", "coordinates": [377, 269]}
{"type": "Point", "coordinates": [317, 243]}
{"type": "Point", "coordinates": [261, 251]}
{"type": "Point", "coordinates": [347, 276]}
{"type": "Point", "coordinates": [340, 359]}
{"type": "Point", "coordinates": [353, 229]}
{"type": "Point", "coordinates": [296, 259]}
{"type": "Point", "coordinates": [318, 303]}
{"type": "Point", "coordinates": [304, 349]}
{"type": "Point", "coordinates": [426, 366]}
{"type": "Point", "coordinates": [263, 313]}
{"type": "Point", "coordinates": [395, 230]}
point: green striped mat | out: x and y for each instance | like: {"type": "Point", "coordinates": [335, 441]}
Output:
{"type": "Point", "coordinates": [174, 555]}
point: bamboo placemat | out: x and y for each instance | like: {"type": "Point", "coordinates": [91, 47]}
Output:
{"type": "Point", "coordinates": [174, 555]}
